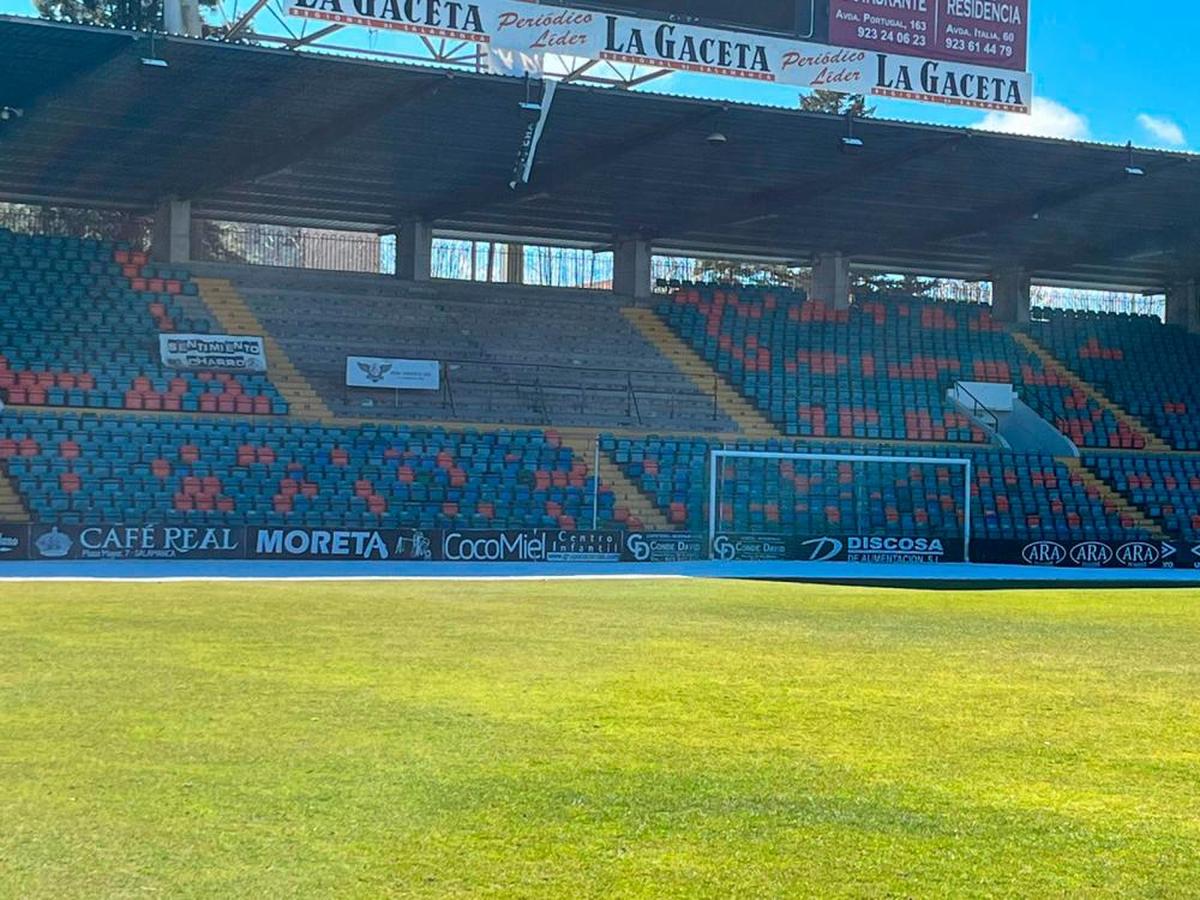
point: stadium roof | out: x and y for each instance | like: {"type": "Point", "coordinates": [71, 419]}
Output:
{"type": "Point", "coordinates": [254, 134]}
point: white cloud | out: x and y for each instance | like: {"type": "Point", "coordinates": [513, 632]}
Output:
{"type": "Point", "coordinates": [1162, 130]}
{"type": "Point", "coordinates": [1048, 119]}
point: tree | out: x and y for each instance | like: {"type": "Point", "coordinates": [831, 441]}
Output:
{"type": "Point", "coordinates": [134, 15]}
{"type": "Point", "coordinates": [908, 285]}
{"type": "Point", "coordinates": [837, 104]}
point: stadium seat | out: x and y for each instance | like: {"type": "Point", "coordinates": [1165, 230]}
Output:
{"type": "Point", "coordinates": [1015, 496]}
{"type": "Point", "coordinates": [82, 323]}
{"type": "Point", "coordinates": [1146, 367]}
{"type": "Point", "coordinates": [74, 469]}
{"type": "Point", "coordinates": [879, 370]}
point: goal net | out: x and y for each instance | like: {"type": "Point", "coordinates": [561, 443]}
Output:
{"type": "Point", "coordinates": [820, 507]}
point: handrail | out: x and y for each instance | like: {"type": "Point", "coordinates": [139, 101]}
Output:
{"type": "Point", "coordinates": [657, 373]}
{"type": "Point", "coordinates": [979, 406]}
{"type": "Point", "coordinates": [635, 385]}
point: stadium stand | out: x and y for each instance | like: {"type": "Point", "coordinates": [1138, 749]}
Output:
{"type": "Point", "coordinates": [551, 356]}
{"type": "Point", "coordinates": [112, 468]}
{"type": "Point", "coordinates": [86, 314]}
{"type": "Point", "coordinates": [1016, 496]}
{"type": "Point", "coordinates": [1166, 488]}
{"type": "Point", "coordinates": [879, 370]}
{"type": "Point", "coordinates": [1146, 367]}
{"type": "Point", "coordinates": [82, 324]}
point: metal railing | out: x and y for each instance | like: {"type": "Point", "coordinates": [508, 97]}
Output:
{"type": "Point", "coordinates": [297, 248]}
{"type": "Point", "coordinates": [61, 221]}
{"type": "Point", "coordinates": [978, 408]}
{"type": "Point", "coordinates": [673, 271]}
{"type": "Point", "coordinates": [549, 391]}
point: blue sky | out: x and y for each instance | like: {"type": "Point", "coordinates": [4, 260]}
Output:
{"type": "Point", "coordinates": [1106, 70]}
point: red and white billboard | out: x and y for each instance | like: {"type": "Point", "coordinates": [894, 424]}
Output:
{"type": "Point", "coordinates": [990, 33]}
{"type": "Point", "coordinates": [519, 34]}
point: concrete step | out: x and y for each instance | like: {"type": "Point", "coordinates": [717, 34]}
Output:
{"type": "Point", "coordinates": [625, 492]}
{"type": "Point", "coordinates": [12, 507]}
{"type": "Point", "coordinates": [235, 317]}
{"type": "Point", "coordinates": [1112, 496]}
{"type": "Point", "coordinates": [1154, 444]}
{"type": "Point", "coordinates": [735, 407]}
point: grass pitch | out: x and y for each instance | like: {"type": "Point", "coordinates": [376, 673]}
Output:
{"type": "Point", "coordinates": [595, 740]}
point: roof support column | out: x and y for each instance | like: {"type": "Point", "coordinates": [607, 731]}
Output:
{"type": "Point", "coordinates": [1183, 305]}
{"type": "Point", "coordinates": [171, 233]}
{"type": "Point", "coordinates": [414, 250]}
{"type": "Point", "coordinates": [1010, 296]}
{"type": "Point", "coordinates": [631, 268]}
{"type": "Point", "coordinates": [831, 279]}
{"type": "Point", "coordinates": [516, 263]}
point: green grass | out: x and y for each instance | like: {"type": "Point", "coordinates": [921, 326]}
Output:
{"type": "Point", "coordinates": [596, 740]}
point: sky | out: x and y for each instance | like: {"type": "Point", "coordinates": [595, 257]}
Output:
{"type": "Point", "coordinates": [1102, 71]}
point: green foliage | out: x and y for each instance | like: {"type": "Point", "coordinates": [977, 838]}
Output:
{"type": "Point", "coordinates": [109, 225]}
{"type": "Point", "coordinates": [836, 104]}
{"type": "Point", "coordinates": [906, 285]}
{"type": "Point", "coordinates": [596, 739]}
{"type": "Point", "coordinates": [742, 272]}
{"type": "Point", "coordinates": [136, 15]}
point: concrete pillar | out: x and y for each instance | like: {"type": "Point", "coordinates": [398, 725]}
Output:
{"type": "Point", "coordinates": [516, 263]}
{"type": "Point", "coordinates": [1183, 305]}
{"type": "Point", "coordinates": [631, 268]}
{"type": "Point", "coordinates": [414, 250]}
{"type": "Point", "coordinates": [831, 279]}
{"type": "Point", "coordinates": [1010, 296]}
{"type": "Point", "coordinates": [171, 234]}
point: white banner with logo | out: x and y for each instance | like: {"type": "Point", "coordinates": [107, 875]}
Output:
{"type": "Point", "coordinates": [213, 352]}
{"type": "Point", "coordinates": [518, 34]}
{"type": "Point", "coordinates": [395, 374]}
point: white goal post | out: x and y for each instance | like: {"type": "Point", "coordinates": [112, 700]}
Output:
{"type": "Point", "coordinates": [718, 455]}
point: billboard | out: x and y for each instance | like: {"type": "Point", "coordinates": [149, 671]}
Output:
{"type": "Point", "coordinates": [517, 36]}
{"type": "Point", "coordinates": [795, 18]}
{"type": "Point", "coordinates": [162, 542]}
{"type": "Point", "coordinates": [985, 33]}
{"type": "Point", "coordinates": [213, 352]}
{"type": "Point", "coordinates": [396, 374]}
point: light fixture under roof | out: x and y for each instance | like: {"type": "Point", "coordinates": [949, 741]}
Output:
{"type": "Point", "coordinates": [1131, 169]}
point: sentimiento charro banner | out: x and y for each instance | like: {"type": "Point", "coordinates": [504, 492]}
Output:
{"type": "Point", "coordinates": [213, 352]}
{"type": "Point", "coordinates": [518, 35]}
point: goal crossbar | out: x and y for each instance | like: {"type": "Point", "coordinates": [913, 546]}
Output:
{"type": "Point", "coordinates": [719, 454]}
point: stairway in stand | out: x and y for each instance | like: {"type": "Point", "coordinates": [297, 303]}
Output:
{"type": "Point", "coordinates": [235, 317]}
{"type": "Point", "coordinates": [644, 514]}
{"type": "Point", "coordinates": [1154, 444]}
{"type": "Point", "coordinates": [1112, 499]}
{"type": "Point", "coordinates": [12, 507]}
{"type": "Point", "coordinates": [750, 421]}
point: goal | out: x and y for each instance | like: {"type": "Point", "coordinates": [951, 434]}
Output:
{"type": "Point", "coordinates": [829, 506]}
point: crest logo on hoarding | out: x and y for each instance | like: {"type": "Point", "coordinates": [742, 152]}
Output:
{"type": "Point", "coordinates": [54, 544]}
{"type": "Point", "coordinates": [375, 372]}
